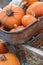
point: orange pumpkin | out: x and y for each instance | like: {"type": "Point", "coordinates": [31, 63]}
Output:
{"type": "Point", "coordinates": [17, 28]}
{"type": "Point", "coordinates": [9, 59]}
{"type": "Point", "coordinates": [10, 15]}
{"type": "Point", "coordinates": [36, 9]}
{"type": "Point", "coordinates": [3, 48]}
{"type": "Point", "coordinates": [29, 2]}
{"type": "Point", "coordinates": [28, 20]}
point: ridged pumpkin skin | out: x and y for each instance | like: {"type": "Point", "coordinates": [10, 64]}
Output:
{"type": "Point", "coordinates": [3, 48]}
{"type": "Point", "coordinates": [28, 20]}
{"type": "Point", "coordinates": [18, 28]}
{"type": "Point", "coordinates": [36, 9]}
{"type": "Point", "coordinates": [10, 59]}
{"type": "Point", "coordinates": [11, 15]}
{"type": "Point", "coordinates": [29, 2]}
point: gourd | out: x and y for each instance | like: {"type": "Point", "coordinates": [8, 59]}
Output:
{"type": "Point", "coordinates": [28, 20]}
{"type": "Point", "coordinates": [36, 9]}
{"type": "Point", "coordinates": [17, 28]}
{"type": "Point", "coordinates": [9, 59]}
{"type": "Point", "coordinates": [11, 15]}
{"type": "Point", "coordinates": [3, 48]}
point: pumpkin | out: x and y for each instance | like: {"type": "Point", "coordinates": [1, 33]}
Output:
{"type": "Point", "coordinates": [36, 9]}
{"type": "Point", "coordinates": [10, 15]}
{"type": "Point", "coordinates": [28, 20]}
{"type": "Point", "coordinates": [29, 2]}
{"type": "Point", "coordinates": [9, 59]}
{"type": "Point", "coordinates": [3, 48]}
{"type": "Point", "coordinates": [17, 28]}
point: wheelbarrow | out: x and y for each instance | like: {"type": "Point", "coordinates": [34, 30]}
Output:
{"type": "Point", "coordinates": [32, 47]}
{"type": "Point", "coordinates": [28, 49]}
{"type": "Point", "coordinates": [24, 35]}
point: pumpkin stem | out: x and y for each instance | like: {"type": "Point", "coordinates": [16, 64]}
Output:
{"type": "Point", "coordinates": [15, 26]}
{"type": "Point", "coordinates": [9, 12]}
{"type": "Point", "coordinates": [3, 57]}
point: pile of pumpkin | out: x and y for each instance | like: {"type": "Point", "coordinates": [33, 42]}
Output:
{"type": "Point", "coordinates": [14, 18]}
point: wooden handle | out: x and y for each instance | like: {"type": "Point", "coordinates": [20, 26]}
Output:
{"type": "Point", "coordinates": [32, 51]}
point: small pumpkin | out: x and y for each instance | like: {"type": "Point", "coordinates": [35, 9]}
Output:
{"type": "Point", "coordinates": [29, 2]}
{"type": "Point", "coordinates": [36, 9]}
{"type": "Point", "coordinates": [17, 28]}
{"type": "Point", "coordinates": [28, 20]}
{"type": "Point", "coordinates": [9, 59]}
{"type": "Point", "coordinates": [3, 48]}
{"type": "Point", "coordinates": [10, 15]}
